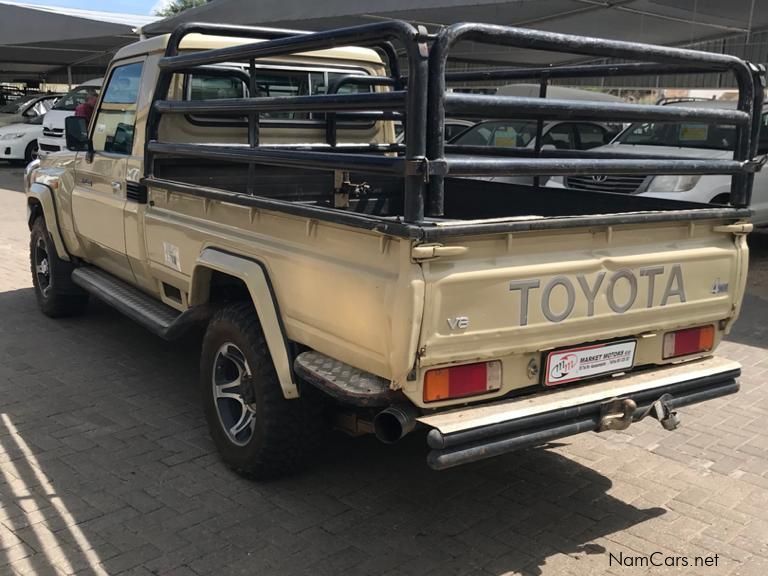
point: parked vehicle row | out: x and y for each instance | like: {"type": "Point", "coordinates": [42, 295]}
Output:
{"type": "Point", "coordinates": [34, 125]}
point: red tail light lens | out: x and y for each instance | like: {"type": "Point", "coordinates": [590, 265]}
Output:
{"type": "Point", "coordinates": [689, 341]}
{"type": "Point", "coordinates": [461, 381]}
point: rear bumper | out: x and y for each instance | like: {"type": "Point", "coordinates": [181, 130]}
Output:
{"type": "Point", "coordinates": [467, 435]}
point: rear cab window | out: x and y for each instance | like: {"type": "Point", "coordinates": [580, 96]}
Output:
{"type": "Point", "coordinates": [270, 82]}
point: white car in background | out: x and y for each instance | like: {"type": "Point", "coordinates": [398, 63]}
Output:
{"type": "Point", "coordinates": [53, 139]}
{"type": "Point", "coordinates": [18, 142]}
{"type": "Point", "coordinates": [688, 140]}
{"type": "Point", "coordinates": [26, 108]}
{"type": "Point", "coordinates": [520, 134]}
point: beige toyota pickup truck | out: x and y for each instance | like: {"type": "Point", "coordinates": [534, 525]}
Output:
{"type": "Point", "coordinates": [248, 180]}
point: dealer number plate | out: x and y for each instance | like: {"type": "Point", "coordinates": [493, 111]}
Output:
{"type": "Point", "coordinates": [575, 364]}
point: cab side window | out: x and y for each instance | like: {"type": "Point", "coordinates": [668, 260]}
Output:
{"type": "Point", "coordinates": [116, 118]}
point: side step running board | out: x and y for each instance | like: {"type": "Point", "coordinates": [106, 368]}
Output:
{"type": "Point", "coordinates": [159, 318]}
{"type": "Point", "coordinates": [342, 381]}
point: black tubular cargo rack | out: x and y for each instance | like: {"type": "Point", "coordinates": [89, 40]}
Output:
{"type": "Point", "coordinates": [422, 102]}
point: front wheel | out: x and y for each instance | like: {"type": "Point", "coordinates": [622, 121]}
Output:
{"type": "Point", "coordinates": [256, 430]}
{"type": "Point", "coordinates": [51, 276]}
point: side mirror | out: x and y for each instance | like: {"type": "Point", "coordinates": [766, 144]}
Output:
{"type": "Point", "coordinates": [76, 131]}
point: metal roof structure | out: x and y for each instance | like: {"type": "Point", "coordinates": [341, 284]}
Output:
{"type": "Point", "coordinates": [44, 41]}
{"type": "Point", "coordinates": [715, 25]}
{"type": "Point", "coordinates": [48, 42]}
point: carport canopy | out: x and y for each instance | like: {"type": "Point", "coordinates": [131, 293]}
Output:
{"type": "Point", "coordinates": [42, 42]}
{"type": "Point", "coordinates": [667, 22]}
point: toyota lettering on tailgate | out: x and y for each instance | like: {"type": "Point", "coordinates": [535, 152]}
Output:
{"type": "Point", "coordinates": [622, 289]}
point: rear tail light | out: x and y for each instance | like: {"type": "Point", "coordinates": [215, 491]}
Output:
{"type": "Point", "coordinates": [461, 381]}
{"type": "Point", "coordinates": [689, 341]}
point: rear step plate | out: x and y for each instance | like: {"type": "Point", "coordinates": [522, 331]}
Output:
{"type": "Point", "coordinates": [342, 381]}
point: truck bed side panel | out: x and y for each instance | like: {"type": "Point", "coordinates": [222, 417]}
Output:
{"type": "Point", "coordinates": [351, 294]}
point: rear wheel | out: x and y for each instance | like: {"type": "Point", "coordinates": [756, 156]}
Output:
{"type": "Point", "coordinates": [256, 430]}
{"type": "Point", "coordinates": [51, 276]}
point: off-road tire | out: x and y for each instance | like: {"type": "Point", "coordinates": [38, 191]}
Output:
{"type": "Point", "coordinates": [59, 296]}
{"type": "Point", "coordinates": [285, 431]}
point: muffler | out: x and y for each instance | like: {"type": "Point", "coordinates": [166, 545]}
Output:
{"type": "Point", "coordinates": [395, 422]}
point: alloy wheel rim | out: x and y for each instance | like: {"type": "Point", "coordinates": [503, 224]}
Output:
{"type": "Point", "coordinates": [237, 419]}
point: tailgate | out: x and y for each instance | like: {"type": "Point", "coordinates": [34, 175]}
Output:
{"type": "Point", "coordinates": [510, 294]}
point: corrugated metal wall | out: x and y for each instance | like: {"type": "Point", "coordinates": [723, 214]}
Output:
{"type": "Point", "coordinates": [753, 48]}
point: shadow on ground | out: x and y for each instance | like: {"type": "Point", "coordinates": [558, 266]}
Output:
{"type": "Point", "coordinates": [107, 465]}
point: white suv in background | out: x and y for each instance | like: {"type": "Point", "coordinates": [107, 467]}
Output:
{"type": "Point", "coordinates": [53, 139]}
{"type": "Point", "coordinates": [687, 139]}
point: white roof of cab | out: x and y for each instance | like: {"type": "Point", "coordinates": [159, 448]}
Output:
{"type": "Point", "coordinates": [206, 42]}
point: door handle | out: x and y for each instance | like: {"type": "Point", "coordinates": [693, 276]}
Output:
{"type": "Point", "coordinates": [116, 186]}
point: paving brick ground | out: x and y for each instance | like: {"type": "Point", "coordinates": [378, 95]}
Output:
{"type": "Point", "coordinates": [106, 468]}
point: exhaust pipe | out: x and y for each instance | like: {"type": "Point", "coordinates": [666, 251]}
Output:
{"type": "Point", "coordinates": [395, 422]}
